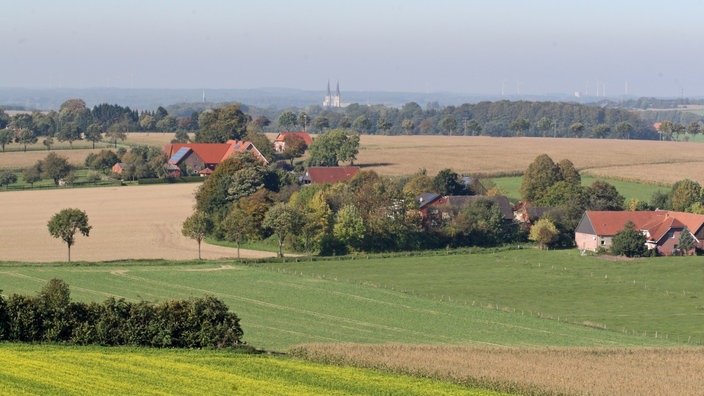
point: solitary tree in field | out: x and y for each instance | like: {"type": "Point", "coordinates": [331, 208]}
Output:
{"type": "Point", "coordinates": [65, 224]}
{"type": "Point", "coordinates": [197, 227]}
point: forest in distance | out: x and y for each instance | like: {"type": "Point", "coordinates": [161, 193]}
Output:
{"type": "Point", "coordinates": [632, 119]}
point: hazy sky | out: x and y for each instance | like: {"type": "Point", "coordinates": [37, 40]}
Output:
{"type": "Point", "coordinates": [532, 47]}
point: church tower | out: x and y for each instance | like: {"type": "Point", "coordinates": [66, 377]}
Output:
{"type": "Point", "coordinates": [336, 98]}
{"type": "Point", "coordinates": [327, 102]}
{"type": "Point", "coordinates": [330, 100]}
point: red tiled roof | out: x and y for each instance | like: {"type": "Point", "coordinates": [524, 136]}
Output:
{"type": "Point", "coordinates": [303, 135]}
{"type": "Point", "coordinates": [210, 153]}
{"type": "Point", "coordinates": [331, 174]}
{"type": "Point", "coordinates": [215, 153]}
{"type": "Point", "coordinates": [610, 222]}
{"type": "Point", "coordinates": [657, 223]}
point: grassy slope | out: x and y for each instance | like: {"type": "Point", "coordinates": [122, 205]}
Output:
{"type": "Point", "coordinates": [279, 310]}
{"type": "Point", "coordinates": [37, 369]}
{"type": "Point", "coordinates": [644, 296]}
{"type": "Point", "coordinates": [510, 187]}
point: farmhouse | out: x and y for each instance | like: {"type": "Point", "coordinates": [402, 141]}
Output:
{"type": "Point", "coordinates": [329, 174]}
{"type": "Point", "coordinates": [436, 208]}
{"type": "Point", "coordinates": [280, 144]}
{"type": "Point", "coordinates": [196, 157]}
{"type": "Point", "coordinates": [529, 214]}
{"type": "Point", "coordinates": [662, 229]}
{"type": "Point", "coordinates": [120, 167]}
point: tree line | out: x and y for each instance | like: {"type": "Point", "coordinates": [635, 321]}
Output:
{"type": "Point", "coordinates": [74, 121]}
{"type": "Point", "coordinates": [51, 316]}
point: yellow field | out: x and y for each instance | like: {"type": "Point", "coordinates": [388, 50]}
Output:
{"type": "Point", "coordinates": [646, 371]}
{"type": "Point", "coordinates": [651, 161]}
{"type": "Point", "coordinates": [128, 222]}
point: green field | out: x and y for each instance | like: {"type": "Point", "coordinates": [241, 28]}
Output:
{"type": "Point", "coordinates": [43, 370]}
{"type": "Point", "coordinates": [660, 296]}
{"type": "Point", "coordinates": [279, 310]}
{"type": "Point", "coordinates": [510, 186]}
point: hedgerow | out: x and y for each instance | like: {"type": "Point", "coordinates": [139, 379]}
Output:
{"type": "Point", "coordinates": [51, 316]}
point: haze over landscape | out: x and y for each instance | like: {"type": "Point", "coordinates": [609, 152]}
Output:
{"type": "Point", "coordinates": [596, 48]}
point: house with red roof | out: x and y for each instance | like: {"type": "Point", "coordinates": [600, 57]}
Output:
{"type": "Point", "coordinates": [280, 144]}
{"type": "Point", "coordinates": [196, 157]}
{"type": "Point", "coordinates": [329, 174]}
{"type": "Point", "coordinates": [662, 229]}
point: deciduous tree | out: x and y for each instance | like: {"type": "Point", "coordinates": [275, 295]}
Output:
{"type": "Point", "coordinates": [7, 177]}
{"type": "Point", "coordinates": [287, 120]}
{"type": "Point", "coordinates": [221, 125]}
{"type": "Point", "coordinates": [540, 175]}
{"type": "Point", "coordinates": [628, 242]}
{"type": "Point", "coordinates": [684, 194]}
{"type": "Point", "coordinates": [332, 147]}
{"type": "Point", "coordinates": [282, 219]}
{"type": "Point", "coordinates": [66, 223]}
{"type": "Point", "coordinates": [55, 167]}
{"type": "Point", "coordinates": [6, 137]}
{"type": "Point", "coordinates": [196, 227]}
{"type": "Point", "coordinates": [447, 182]}
{"type": "Point", "coordinates": [295, 147]}
{"type": "Point", "coordinates": [26, 136]}
{"type": "Point", "coordinates": [238, 227]}
{"type": "Point", "coordinates": [543, 232]}
{"type": "Point", "coordinates": [32, 174]}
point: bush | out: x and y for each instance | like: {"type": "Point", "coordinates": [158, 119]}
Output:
{"type": "Point", "coordinates": [193, 323]}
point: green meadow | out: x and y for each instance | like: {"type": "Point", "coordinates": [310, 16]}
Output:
{"type": "Point", "coordinates": [510, 186]}
{"type": "Point", "coordinates": [516, 298]}
{"type": "Point", "coordinates": [661, 297]}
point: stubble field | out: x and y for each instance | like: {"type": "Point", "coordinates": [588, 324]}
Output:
{"type": "Point", "coordinates": [128, 222]}
{"type": "Point", "coordinates": [560, 371]}
{"type": "Point", "coordinates": [648, 161]}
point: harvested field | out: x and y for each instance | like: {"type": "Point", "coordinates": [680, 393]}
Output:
{"type": "Point", "coordinates": [22, 159]}
{"type": "Point", "coordinates": [579, 371]}
{"type": "Point", "coordinates": [128, 222]}
{"type": "Point", "coordinates": [650, 161]}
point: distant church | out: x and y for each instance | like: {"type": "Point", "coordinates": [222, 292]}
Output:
{"type": "Point", "coordinates": [330, 100]}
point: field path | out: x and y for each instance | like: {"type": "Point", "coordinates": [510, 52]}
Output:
{"type": "Point", "coordinates": [134, 222]}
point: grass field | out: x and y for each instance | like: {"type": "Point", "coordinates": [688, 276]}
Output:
{"type": "Point", "coordinates": [37, 369]}
{"type": "Point", "coordinates": [510, 186]}
{"type": "Point", "coordinates": [280, 310]}
{"type": "Point", "coordinates": [650, 297]}
{"type": "Point", "coordinates": [572, 371]}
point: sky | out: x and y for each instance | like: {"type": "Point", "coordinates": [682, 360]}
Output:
{"type": "Point", "coordinates": [593, 47]}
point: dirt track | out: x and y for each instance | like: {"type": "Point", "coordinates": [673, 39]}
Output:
{"type": "Point", "coordinates": [128, 223]}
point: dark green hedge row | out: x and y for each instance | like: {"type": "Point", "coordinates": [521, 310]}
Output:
{"type": "Point", "coordinates": [167, 180]}
{"type": "Point", "coordinates": [52, 317]}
